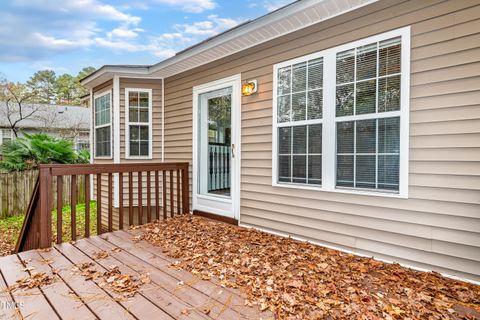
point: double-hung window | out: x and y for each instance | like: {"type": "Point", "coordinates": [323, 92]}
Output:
{"type": "Point", "coordinates": [299, 122]}
{"type": "Point", "coordinates": [139, 123]}
{"type": "Point", "coordinates": [103, 125]}
{"type": "Point", "coordinates": [354, 99]}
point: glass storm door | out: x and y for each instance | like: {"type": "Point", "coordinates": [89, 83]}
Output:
{"type": "Point", "coordinates": [215, 143]}
{"type": "Point", "coordinates": [214, 170]}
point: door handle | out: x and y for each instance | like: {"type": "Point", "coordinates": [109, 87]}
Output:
{"type": "Point", "coordinates": [233, 150]}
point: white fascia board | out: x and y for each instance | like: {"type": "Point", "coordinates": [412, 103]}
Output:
{"type": "Point", "coordinates": [110, 71]}
{"type": "Point", "coordinates": [248, 28]}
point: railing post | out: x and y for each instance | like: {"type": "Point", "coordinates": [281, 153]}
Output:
{"type": "Point", "coordinates": [185, 190]}
{"type": "Point", "coordinates": [45, 234]}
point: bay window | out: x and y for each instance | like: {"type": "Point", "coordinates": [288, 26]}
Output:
{"type": "Point", "coordinates": [139, 123]}
{"type": "Point", "coordinates": [341, 119]}
{"type": "Point", "coordinates": [103, 125]}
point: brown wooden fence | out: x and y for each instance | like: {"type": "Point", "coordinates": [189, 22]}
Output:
{"type": "Point", "coordinates": [16, 189]}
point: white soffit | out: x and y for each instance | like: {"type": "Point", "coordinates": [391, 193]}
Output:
{"type": "Point", "coordinates": [296, 16]}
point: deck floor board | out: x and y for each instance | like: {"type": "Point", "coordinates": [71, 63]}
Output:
{"type": "Point", "coordinates": [138, 306]}
{"type": "Point", "coordinates": [154, 292]}
{"type": "Point", "coordinates": [60, 296]}
{"type": "Point", "coordinates": [31, 302]}
{"type": "Point", "coordinates": [234, 297]}
{"type": "Point", "coordinates": [171, 294]}
{"type": "Point", "coordinates": [95, 298]}
{"type": "Point", "coordinates": [7, 307]}
{"type": "Point", "coordinates": [179, 287]}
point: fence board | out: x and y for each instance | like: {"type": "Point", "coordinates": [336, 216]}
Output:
{"type": "Point", "coordinates": [17, 187]}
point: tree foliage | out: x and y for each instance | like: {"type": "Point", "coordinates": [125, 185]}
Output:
{"type": "Point", "coordinates": [16, 97]}
{"type": "Point", "coordinates": [44, 83]}
{"type": "Point", "coordinates": [29, 151]}
{"type": "Point", "coordinates": [46, 87]}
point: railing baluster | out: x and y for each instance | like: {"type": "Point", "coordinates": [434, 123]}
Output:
{"type": "Point", "coordinates": [185, 191]}
{"type": "Point", "coordinates": [149, 198]}
{"type": "Point", "coordinates": [140, 198]}
{"type": "Point", "coordinates": [87, 205]}
{"type": "Point", "coordinates": [45, 199]}
{"type": "Point", "coordinates": [99, 203]}
{"type": "Point", "coordinates": [110, 202]}
{"type": "Point", "coordinates": [130, 198]}
{"type": "Point", "coordinates": [171, 194]}
{"type": "Point", "coordinates": [157, 196]}
{"type": "Point", "coordinates": [73, 206]}
{"type": "Point", "coordinates": [164, 194]}
{"type": "Point", "coordinates": [120, 200]}
{"type": "Point", "coordinates": [178, 192]}
{"type": "Point", "coordinates": [59, 208]}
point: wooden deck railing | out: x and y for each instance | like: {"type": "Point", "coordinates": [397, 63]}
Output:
{"type": "Point", "coordinates": [37, 228]}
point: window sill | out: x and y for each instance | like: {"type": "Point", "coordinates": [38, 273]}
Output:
{"type": "Point", "coordinates": [138, 158]}
{"type": "Point", "coordinates": [103, 158]}
{"type": "Point", "coordinates": [341, 190]}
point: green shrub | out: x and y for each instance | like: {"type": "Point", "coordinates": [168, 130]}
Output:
{"type": "Point", "coordinates": [29, 151]}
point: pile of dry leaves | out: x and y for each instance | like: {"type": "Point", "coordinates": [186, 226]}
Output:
{"type": "Point", "coordinates": [35, 280]}
{"type": "Point", "coordinates": [8, 238]}
{"type": "Point", "coordinates": [298, 280]}
{"type": "Point", "coordinates": [126, 285]}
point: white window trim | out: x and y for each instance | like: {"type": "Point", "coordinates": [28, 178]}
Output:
{"type": "Point", "coordinates": [12, 136]}
{"type": "Point", "coordinates": [329, 118]}
{"type": "Point", "coordinates": [128, 123]}
{"type": "Point", "coordinates": [95, 127]}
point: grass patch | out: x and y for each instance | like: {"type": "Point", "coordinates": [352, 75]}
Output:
{"type": "Point", "coordinates": [67, 218]}
{"type": "Point", "coordinates": [9, 231]}
{"type": "Point", "coordinates": [10, 227]}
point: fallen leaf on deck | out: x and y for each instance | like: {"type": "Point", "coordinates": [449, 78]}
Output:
{"type": "Point", "coordinates": [35, 280]}
{"type": "Point", "coordinates": [100, 255]}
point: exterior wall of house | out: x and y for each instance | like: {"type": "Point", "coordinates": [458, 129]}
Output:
{"type": "Point", "coordinates": [133, 83]}
{"type": "Point", "coordinates": [156, 86]}
{"type": "Point", "coordinates": [438, 226]}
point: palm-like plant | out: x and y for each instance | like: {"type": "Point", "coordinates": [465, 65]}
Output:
{"type": "Point", "coordinates": [31, 150]}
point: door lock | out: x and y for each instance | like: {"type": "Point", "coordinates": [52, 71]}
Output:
{"type": "Point", "coordinates": [233, 150]}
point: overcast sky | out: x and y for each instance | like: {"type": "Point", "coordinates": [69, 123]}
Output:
{"type": "Point", "coordinates": [67, 35]}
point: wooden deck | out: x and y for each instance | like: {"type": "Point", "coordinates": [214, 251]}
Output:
{"type": "Point", "coordinates": [172, 293]}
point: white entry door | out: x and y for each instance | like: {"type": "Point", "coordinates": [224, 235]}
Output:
{"type": "Point", "coordinates": [216, 147]}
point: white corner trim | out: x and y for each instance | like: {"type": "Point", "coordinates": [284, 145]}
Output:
{"type": "Point", "coordinates": [116, 137]}
{"type": "Point", "coordinates": [329, 118]}
{"type": "Point", "coordinates": [90, 138]}
{"type": "Point", "coordinates": [149, 124]}
{"type": "Point", "coordinates": [163, 119]}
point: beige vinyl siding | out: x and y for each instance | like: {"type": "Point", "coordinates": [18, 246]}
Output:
{"type": "Point", "coordinates": [438, 226]}
{"type": "Point", "coordinates": [156, 86]}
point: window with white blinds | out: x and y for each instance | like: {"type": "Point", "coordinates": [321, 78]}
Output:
{"type": "Point", "coordinates": [367, 87]}
{"type": "Point", "coordinates": [341, 117]}
{"type": "Point", "coordinates": [299, 118]}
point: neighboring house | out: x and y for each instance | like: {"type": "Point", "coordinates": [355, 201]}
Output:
{"type": "Point", "coordinates": [68, 122]}
{"type": "Point", "coordinates": [363, 133]}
